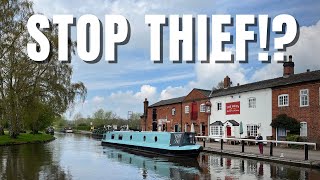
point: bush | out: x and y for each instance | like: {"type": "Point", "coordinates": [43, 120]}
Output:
{"type": "Point", "coordinates": [84, 128]}
{"type": "Point", "coordinates": [286, 122]}
{"type": "Point", "coordinates": [295, 138]}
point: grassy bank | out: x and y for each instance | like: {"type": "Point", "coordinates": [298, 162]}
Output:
{"type": "Point", "coordinates": [25, 138]}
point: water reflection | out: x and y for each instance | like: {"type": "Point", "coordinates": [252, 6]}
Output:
{"type": "Point", "coordinates": [237, 168]}
{"type": "Point", "coordinates": [162, 167]}
{"type": "Point", "coordinates": [29, 162]}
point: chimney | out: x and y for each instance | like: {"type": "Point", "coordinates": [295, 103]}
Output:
{"type": "Point", "coordinates": [145, 112]}
{"type": "Point", "coordinates": [308, 70]}
{"type": "Point", "coordinates": [226, 82]}
{"type": "Point", "coordinates": [288, 67]}
{"type": "Point", "coordinates": [146, 104]}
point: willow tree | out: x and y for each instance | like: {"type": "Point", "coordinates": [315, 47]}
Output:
{"type": "Point", "coordinates": [30, 90]}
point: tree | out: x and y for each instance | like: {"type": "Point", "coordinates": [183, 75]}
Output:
{"type": "Point", "coordinates": [25, 83]}
{"type": "Point", "coordinates": [220, 85]}
{"type": "Point", "coordinates": [134, 121]}
{"type": "Point", "coordinates": [286, 122]}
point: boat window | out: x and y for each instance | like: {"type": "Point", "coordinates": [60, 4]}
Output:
{"type": "Point", "coordinates": [131, 137]}
{"type": "Point", "coordinates": [155, 139]}
{"type": "Point", "coordinates": [189, 139]}
{"type": "Point", "coordinates": [144, 138]}
{"type": "Point", "coordinates": [120, 136]}
{"type": "Point", "coordinates": [112, 136]}
{"type": "Point", "coordinates": [104, 136]}
{"type": "Point", "coordinates": [175, 139]}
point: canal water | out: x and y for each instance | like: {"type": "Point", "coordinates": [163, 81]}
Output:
{"type": "Point", "coordinates": [73, 156]}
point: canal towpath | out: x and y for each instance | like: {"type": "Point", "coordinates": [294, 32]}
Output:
{"type": "Point", "coordinates": [280, 155]}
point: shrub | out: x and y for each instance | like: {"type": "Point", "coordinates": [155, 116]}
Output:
{"type": "Point", "coordinates": [286, 122]}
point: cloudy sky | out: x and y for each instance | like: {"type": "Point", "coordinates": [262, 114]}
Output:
{"type": "Point", "coordinates": [122, 87]}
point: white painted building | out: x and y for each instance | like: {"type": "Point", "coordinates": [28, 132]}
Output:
{"type": "Point", "coordinates": [247, 104]}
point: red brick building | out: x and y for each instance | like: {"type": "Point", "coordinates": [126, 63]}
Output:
{"type": "Point", "coordinates": [194, 112]}
{"type": "Point", "coordinates": [298, 97]}
{"type": "Point", "coordinates": [164, 115]}
{"type": "Point", "coordinates": [186, 113]}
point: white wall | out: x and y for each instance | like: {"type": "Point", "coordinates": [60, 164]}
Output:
{"type": "Point", "coordinates": [261, 114]}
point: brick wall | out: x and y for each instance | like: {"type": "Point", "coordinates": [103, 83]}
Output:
{"type": "Point", "coordinates": [199, 98]}
{"type": "Point", "coordinates": [164, 112]}
{"type": "Point", "coordinates": [309, 114]}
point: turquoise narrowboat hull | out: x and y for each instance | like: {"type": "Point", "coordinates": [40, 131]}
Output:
{"type": "Point", "coordinates": [159, 143]}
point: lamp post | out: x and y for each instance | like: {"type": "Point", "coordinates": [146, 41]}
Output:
{"type": "Point", "coordinates": [208, 111]}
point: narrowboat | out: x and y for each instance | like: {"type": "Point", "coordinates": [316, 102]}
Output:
{"type": "Point", "coordinates": [174, 144]}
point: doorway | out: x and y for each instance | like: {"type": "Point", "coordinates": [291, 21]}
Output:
{"type": "Point", "coordinates": [203, 129]}
{"type": "Point", "coordinates": [228, 131]}
{"type": "Point", "coordinates": [176, 128]}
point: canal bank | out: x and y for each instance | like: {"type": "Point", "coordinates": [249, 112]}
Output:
{"type": "Point", "coordinates": [280, 155]}
{"type": "Point", "coordinates": [25, 138]}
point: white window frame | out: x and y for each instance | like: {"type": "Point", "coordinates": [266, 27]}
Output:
{"type": "Point", "coordinates": [173, 111]}
{"type": "Point", "coordinates": [219, 109]}
{"type": "Point", "coordinates": [252, 129]}
{"type": "Point", "coordinates": [304, 132]}
{"type": "Point", "coordinates": [283, 101]}
{"type": "Point", "coordinates": [252, 102]}
{"type": "Point", "coordinates": [202, 108]}
{"type": "Point", "coordinates": [304, 93]}
{"type": "Point", "coordinates": [216, 130]}
{"type": "Point", "coordinates": [186, 109]}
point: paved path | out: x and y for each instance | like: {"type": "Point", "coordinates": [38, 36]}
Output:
{"type": "Point", "coordinates": [291, 156]}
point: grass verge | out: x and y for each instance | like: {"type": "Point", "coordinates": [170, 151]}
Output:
{"type": "Point", "coordinates": [25, 138]}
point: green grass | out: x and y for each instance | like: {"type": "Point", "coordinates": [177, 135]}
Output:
{"type": "Point", "coordinates": [25, 138]}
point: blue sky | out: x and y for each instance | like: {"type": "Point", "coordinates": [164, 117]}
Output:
{"type": "Point", "coordinates": [122, 87]}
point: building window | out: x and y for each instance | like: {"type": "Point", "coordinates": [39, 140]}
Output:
{"type": "Point", "coordinates": [252, 130]}
{"type": "Point", "coordinates": [186, 109]}
{"type": "Point", "coordinates": [216, 130]}
{"type": "Point", "coordinates": [304, 97]}
{"type": "Point", "coordinates": [173, 111]}
{"type": "Point", "coordinates": [282, 132]}
{"type": "Point", "coordinates": [202, 108]}
{"type": "Point", "coordinates": [303, 129]}
{"type": "Point", "coordinates": [219, 106]}
{"type": "Point", "coordinates": [252, 102]}
{"type": "Point", "coordinates": [283, 100]}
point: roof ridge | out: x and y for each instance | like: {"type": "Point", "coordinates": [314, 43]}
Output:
{"type": "Point", "coordinates": [269, 83]}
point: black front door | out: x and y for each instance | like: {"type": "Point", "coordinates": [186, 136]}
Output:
{"type": "Point", "coordinates": [176, 128]}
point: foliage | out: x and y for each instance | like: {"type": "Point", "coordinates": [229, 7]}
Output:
{"type": "Point", "coordinates": [25, 138]}
{"type": "Point", "coordinates": [134, 121]}
{"type": "Point", "coordinates": [286, 122]}
{"type": "Point", "coordinates": [60, 122]}
{"type": "Point", "coordinates": [296, 138]}
{"type": "Point", "coordinates": [102, 118]}
{"type": "Point", "coordinates": [31, 93]}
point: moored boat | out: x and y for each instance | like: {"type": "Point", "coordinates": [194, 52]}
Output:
{"type": "Point", "coordinates": [176, 144]}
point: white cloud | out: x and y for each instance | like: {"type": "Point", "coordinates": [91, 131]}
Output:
{"type": "Point", "coordinates": [98, 100]}
{"type": "Point", "coordinates": [305, 54]}
{"type": "Point", "coordinates": [172, 92]}
{"type": "Point", "coordinates": [210, 74]}
{"type": "Point", "coordinates": [101, 84]}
